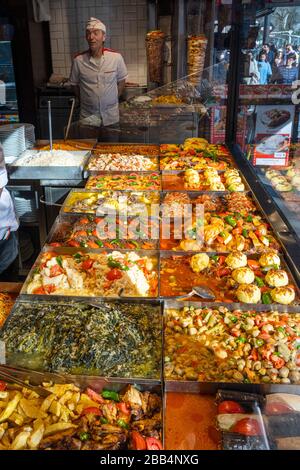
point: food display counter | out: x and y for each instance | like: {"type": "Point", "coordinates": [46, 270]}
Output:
{"type": "Point", "coordinates": [124, 331]}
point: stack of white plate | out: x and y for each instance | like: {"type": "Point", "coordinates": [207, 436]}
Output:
{"type": "Point", "coordinates": [12, 138]}
{"type": "Point", "coordinates": [26, 208]}
{"type": "Point", "coordinates": [29, 135]}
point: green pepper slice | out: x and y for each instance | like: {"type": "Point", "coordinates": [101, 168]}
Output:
{"type": "Point", "coordinates": [110, 395]}
{"type": "Point", "coordinates": [259, 281]}
{"type": "Point", "coordinates": [230, 220]}
{"type": "Point", "coordinates": [266, 298]}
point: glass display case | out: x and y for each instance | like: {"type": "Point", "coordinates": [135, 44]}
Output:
{"type": "Point", "coordinates": [266, 98]}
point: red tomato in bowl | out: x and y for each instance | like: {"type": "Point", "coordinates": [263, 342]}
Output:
{"type": "Point", "coordinates": [247, 427]}
{"type": "Point", "coordinates": [277, 408]}
{"type": "Point", "coordinates": [229, 406]}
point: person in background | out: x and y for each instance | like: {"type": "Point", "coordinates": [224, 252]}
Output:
{"type": "Point", "coordinates": [264, 69]}
{"type": "Point", "coordinates": [269, 53]}
{"type": "Point", "coordinates": [8, 221]}
{"type": "Point", "coordinates": [98, 77]}
{"type": "Point", "coordinates": [289, 52]}
{"type": "Point", "coordinates": [290, 72]}
{"type": "Point", "coordinates": [253, 70]}
{"type": "Point", "coordinates": [276, 74]}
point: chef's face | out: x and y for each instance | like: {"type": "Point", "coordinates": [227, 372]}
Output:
{"type": "Point", "coordinates": [95, 39]}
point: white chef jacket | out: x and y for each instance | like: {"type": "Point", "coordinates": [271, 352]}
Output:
{"type": "Point", "coordinates": [98, 82]}
{"type": "Point", "coordinates": [8, 220]}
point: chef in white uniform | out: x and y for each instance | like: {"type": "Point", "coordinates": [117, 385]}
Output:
{"type": "Point", "coordinates": [8, 221]}
{"type": "Point", "coordinates": [98, 76]}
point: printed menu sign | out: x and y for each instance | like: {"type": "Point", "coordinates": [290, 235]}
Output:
{"type": "Point", "coordinates": [273, 135]}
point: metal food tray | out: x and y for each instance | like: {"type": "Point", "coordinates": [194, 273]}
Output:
{"type": "Point", "coordinates": [190, 386]}
{"type": "Point", "coordinates": [65, 222]}
{"type": "Point", "coordinates": [70, 251]}
{"type": "Point", "coordinates": [88, 144]}
{"type": "Point", "coordinates": [295, 304]}
{"type": "Point", "coordinates": [88, 380]}
{"type": "Point", "coordinates": [169, 173]}
{"type": "Point", "coordinates": [109, 146]}
{"type": "Point", "coordinates": [89, 172]}
{"type": "Point", "coordinates": [109, 173]}
{"type": "Point", "coordinates": [69, 197]}
{"type": "Point", "coordinates": [49, 172]}
{"type": "Point", "coordinates": [10, 287]}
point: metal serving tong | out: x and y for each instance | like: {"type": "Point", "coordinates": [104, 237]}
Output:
{"type": "Point", "coordinates": [9, 376]}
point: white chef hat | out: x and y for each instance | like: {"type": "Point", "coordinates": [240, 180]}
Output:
{"type": "Point", "coordinates": [94, 23]}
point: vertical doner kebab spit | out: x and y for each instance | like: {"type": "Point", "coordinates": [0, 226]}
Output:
{"type": "Point", "coordinates": [196, 57]}
{"type": "Point", "coordinates": [155, 42]}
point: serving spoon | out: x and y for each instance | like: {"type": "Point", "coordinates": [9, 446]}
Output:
{"type": "Point", "coordinates": [201, 291]}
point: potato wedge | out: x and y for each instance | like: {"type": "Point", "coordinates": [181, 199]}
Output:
{"type": "Point", "coordinates": [16, 418]}
{"type": "Point", "coordinates": [37, 435]}
{"type": "Point", "coordinates": [58, 427]}
{"type": "Point", "coordinates": [10, 408]}
{"type": "Point", "coordinates": [55, 408]}
{"type": "Point", "coordinates": [3, 428]}
{"type": "Point", "coordinates": [66, 397]}
{"type": "Point", "coordinates": [5, 440]}
{"type": "Point", "coordinates": [47, 402]}
{"type": "Point", "coordinates": [30, 410]}
{"type": "Point", "coordinates": [20, 441]}
{"type": "Point", "coordinates": [60, 389]}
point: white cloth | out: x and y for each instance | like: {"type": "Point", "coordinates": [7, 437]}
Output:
{"type": "Point", "coordinates": [98, 83]}
{"type": "Point", "coordinates": [94, 23]}
{"type": "Point", "coordinates": [41, 10]}
{"type": "Point", "coordinates": [253, 69]}
{"type": "Point", "coordinates": [8, 219]}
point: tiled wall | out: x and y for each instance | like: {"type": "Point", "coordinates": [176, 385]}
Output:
{"type": "Point", "coordinates": [126, 24]}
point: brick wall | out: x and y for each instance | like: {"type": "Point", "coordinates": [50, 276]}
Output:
{"type": "Point", "coordinates": [126, 23]}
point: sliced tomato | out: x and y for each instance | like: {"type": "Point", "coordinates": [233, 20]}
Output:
{"type": "Point", "coordinates": [124, 408]}
{"type": "Point", "coordinates": [277, 408]}
{"type": "Point", "coordinates": [84, 221]}
{"type": "Point", "coordinates": [73, 243]}
{"type": "Point", "coordinates": [247, 427]}
{"type": "Point", "coordinates": [92, 244]}
{"type": "Point", "coordinates": [3, 386]}
{"type": "Point", "coordinates": [223, 272]}
{"type": "Point", "coordinates": [55, 244]}
{"type": "Point", "coordinates": [81, 233]}
{"type": "Point", "coordinates": [221, 257]}
{"type": "Point", "coordinates": [277, 361]}
{"type": "Point", "coordinates": [39, 291]}
{"type": "Point", "coordinates": [229, 406]}
{"type": "Point", "coordinates": [55, 270]}
{"type": "Point", "coordinates": [114, 274]}
{"type": "Point", "coordinates": [92, 410]}
{"type": "Point", "coordinates": [94, 396]}
{"type": "Point", "coordinates": [153, 443]}
{"type": "Point", "coordinates": [252, 263]}
{"type": "Point", "coordinates": [87, 264]}
{"type": "Point", "coordinates": [138, 442]}
{"type": "Point", "coordinates": [50, 288]}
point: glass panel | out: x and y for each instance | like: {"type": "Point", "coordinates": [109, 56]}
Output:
{"type": "Point", "coordinates": [8, 96]}
{"type": "Point", "coordinates": [269, 103]}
